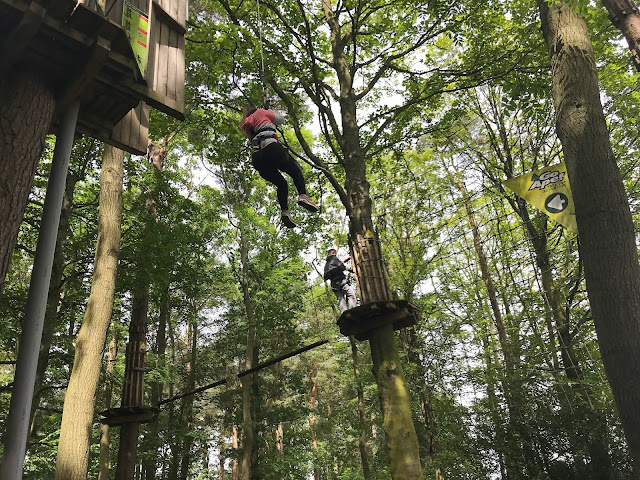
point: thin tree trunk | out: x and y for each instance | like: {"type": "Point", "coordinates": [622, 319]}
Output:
{"type": "Point", "coordinates": [317, 471]}
{"type": "Point", "coordinates": [187, 405]}
{"type": "Point", "coordinates": [103, 473]}
{"type": "Point", "coordinates": [133, 385]}
{"type": "Point", "coordinates": [75, 431]}
{"type": "Point", "coordinates": [174, 442]}
{"type": "Point", "coordinates": [512, 386]}
{"type": "Point", "coordinates": [249, 445]}
{"type": "Point", "coordinates": [55, 290]}
{"type": "Point", "coordinates": [151, 464]}
{"type": "Point", "coordinates": [362, 438]}
{"type": "Point", "coordinates": [607, 236]}
{"type": "Point", "coordinates": [26, 109]}
{"type": "Point", "coordinates": [235, 470]}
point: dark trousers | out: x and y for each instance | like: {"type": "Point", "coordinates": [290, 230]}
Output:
{"type": "Point", "coordinates": [272, 160]}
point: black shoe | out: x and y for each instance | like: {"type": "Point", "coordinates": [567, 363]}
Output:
{"type": "Point", "coordinates": [287, 220]}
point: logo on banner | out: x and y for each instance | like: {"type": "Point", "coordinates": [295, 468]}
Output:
{"type": "Point", "coordinates": [548, 190]}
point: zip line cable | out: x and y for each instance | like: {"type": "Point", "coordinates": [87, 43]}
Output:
{"type": "Point", "coordinates": [260, 366]}
{"type": "Point", "coordinates": [265, 90]}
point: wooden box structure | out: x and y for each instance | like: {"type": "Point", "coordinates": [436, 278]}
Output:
{"type": "Point", "coordinates": [82, 54]}
{"type": "Point", "coordinates": [378, 308]}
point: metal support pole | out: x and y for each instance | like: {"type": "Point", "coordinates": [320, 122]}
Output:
{"type": "Point", "coordinates": [16, 433]}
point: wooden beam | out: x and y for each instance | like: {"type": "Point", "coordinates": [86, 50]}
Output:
{"type": "Point", "coordinates": [87, 73]}
{"type": "Point", "coordinates": [166, 18]}
{"type": "Point", "coordinates": [19, 38]}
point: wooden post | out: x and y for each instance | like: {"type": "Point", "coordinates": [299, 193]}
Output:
{"type": "Point", "coordinates": [133, 387]}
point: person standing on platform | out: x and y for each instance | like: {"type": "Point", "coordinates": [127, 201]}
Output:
{"type": "Point", "coordinates": [334, 271]}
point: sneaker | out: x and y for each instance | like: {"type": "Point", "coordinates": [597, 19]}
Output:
{"type": "Point", "coordinates": [287, 220]}
{"type": "Point", "coordinates": [305, 202]}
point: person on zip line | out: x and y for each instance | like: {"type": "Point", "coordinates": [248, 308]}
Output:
{"type": "Point", "coordinates": [270, 158]}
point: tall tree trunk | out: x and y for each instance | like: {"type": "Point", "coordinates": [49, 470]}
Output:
{"type": "Point", "coordinates": [173, 422]}
{"type": "Point", "coordinates": [512, 386]}
{"type": "Point", "coordinates": [497, 419]}
{"type": "Point", "coordinates": [249, 445]}
{"type": "Point", "coordinates": [317, 471]}
{"type": "Point", "coordinates": [362, 438]}
{"type": "Point", "coordinates": [55, 289]}
{"type": "Point", "coordinates": [234, 466]}
{"type": "Point", "coordinates": [77, 417]}
{"type": "Point", "coordinates": [103, 463]}
{"type": "Point", "coordinates": [150, 464]}
{"type": "Point", "coordinates": [607, 236]}
{"type": "Point", "coordinates": [625, 16]}
{"type": "Point", "coordinates": [187, 405]}
{"type": "Point", "coordinates": [402, 441]}
{"type": "Point", "coordinates": [133, 384]}
{"type": "Point", "coordinates": [26, 109]}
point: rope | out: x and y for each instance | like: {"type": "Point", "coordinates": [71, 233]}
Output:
{"type": "Point", "coordinates": [260, 366]}
{"type": "Point", "coordinates": [265, 89]}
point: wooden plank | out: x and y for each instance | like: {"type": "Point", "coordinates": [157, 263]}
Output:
{"type": "Point", "coordinates": [168, 19]}
{"type": "Point", "coordinates": [87, 74]}
{"type": "Point", "coordinates": [180, 71]}
{"type": "Point", "coordinates": [163, 60]}
{"type": "Point", "coordinates": [21, 35]}
{"type": "Point", "coordinates": [172, 64]}
{"type": "Point", "coordinates": [182, 12]}
{"type": "Point", "coordinates": [113, 10]}
{"type": "Point", "coordinates": [151, 61]}
{"type": "Point", "coordinates": [172, 8]}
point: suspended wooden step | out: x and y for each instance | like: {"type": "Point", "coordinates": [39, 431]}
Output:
{"type": "Point", "coordinates": [119, 416]}
{"type": "Point", "coordinates": [360, 321]}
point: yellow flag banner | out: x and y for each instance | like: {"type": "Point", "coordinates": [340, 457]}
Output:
{"type": "Point", "coordinates": [548, 190]}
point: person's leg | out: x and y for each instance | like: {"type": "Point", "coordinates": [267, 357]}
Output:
{"type": "Point", "coordinates": [263, 162]}
{"type": "Point", "coordinates": [288, 165]}
{"type": "Point", "coordinates": [285, 163]}
{"type": "Point", "coordinates": [350, 295]}
{"type": "Point", "coordinates": [342, 304]}
{"type": "Point", "coordinates": [266, 165]}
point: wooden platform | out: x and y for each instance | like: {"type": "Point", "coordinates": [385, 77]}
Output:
{"type": "Point", "coordinates": [360, 321]}
{"type": "Point", "coordinates": [121, 415]}
{"type": "Point", "coordinates": [81, 54]}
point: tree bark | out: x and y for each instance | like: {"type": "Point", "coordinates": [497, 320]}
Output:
{"type": "Point", "coordinates": [317, 470]}
{"type": "Point", "coordinates": [150, 465]}
{"type": "Point", "coordinates": [187, 406]}
{"type": "Point", "coordinates": [133, 384]}
{"type": "Point", "coordinates": [624, 15]}
{"type": "Point", "coordinates": [607, 236]}
{"type": "Point", "coordinates": [362, 439]}
{"type": "Point", "coordinates": [104, 462]}
{"type": "Point", "coordinates": [77, 417]}
{"type": "Point", "coordinates": [249, 446]}
{"type": "Point", "coordinates": [373, 281]}
{"type": "Point", "coordinates": [55, 289]}
{"type": "Point", "coordinates": [26, 108]}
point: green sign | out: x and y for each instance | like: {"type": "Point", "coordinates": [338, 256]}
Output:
{"type": "Point", "coordinates": [136, 24]}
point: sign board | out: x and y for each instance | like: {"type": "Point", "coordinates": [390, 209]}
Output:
{"type": "Point", "coordinates": [164, 61]}
{"type": "Point", "coordinates": [136, 26]}
{"type": "Point", "coordinates": [548, 190]}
